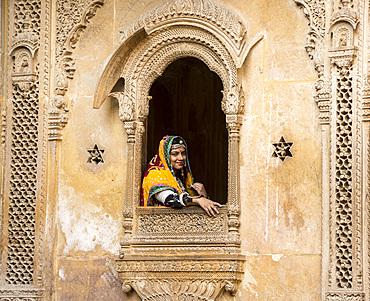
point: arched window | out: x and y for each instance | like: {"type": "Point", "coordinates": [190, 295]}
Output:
{"type": "Point", "coordinates": [186, 101]}
{"type": "Point", "coordinates": [179, 63]}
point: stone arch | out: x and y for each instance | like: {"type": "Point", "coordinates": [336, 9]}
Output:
{"type": "Point", "coordinates": [154, 55]}
{"type": "Point", "coordinates": [212, 33]}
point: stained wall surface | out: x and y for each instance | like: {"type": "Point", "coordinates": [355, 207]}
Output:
{"type": "Point", "coordinates": [281, 200]}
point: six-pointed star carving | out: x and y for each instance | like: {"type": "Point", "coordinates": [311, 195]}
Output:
{"type": "Point", "coordinates": [282, 149]}
{"type": "Point", "coordinates": [96, 155]}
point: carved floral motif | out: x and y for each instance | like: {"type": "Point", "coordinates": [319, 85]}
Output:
{"type": "Point", "coordinates": [233, 100]}
{"type": "Point", "coordinates": [151, 231]}
{"type": "Point", "coordinates": [345, 297]}
{"type": "Point", "coordinates": [316, 14]}
{"type": "Point", "coordinates": [205, 10]}
{"type": "Point", "coordinates": [179, 223]}
{"type": "Point", "coordinates": [188, 290]}
{"type": "Point", "coordinates": [20, 294]}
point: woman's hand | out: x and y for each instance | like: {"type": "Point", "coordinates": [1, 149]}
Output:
{"type": "Point", "coordinates": [199, 187]}
{"type": "Point", "coordinates": [209, 206]}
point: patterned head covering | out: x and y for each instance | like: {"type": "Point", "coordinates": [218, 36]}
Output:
{"type": "Point", "coordinates": [159, 174]}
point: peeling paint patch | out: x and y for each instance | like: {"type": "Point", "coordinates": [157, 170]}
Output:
{"type": "Point", "coordinates": [276, 257]}
{"type": "Point", "coordinates": [249, 283]}
{"type": "Point", "coordinates": [61, 274]}
{"type": "Point", "coordinates": [86, 226]}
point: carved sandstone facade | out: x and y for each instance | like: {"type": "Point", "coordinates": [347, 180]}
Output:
{"type": "Point", "coordinates": [62, 215]}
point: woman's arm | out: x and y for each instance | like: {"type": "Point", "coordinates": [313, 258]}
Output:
{"type": "Point", "coordinates": [170, 199]}
{"type": "Point", "coordinates": [209, 206]}
{"type": "Point", "coordinates": [199, 187]}
{"type": "Point", "coordinates": [173, 200]}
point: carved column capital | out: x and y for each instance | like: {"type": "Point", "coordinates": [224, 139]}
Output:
{"type": "Point", "coordinates": [322, 96]}
{"type": "Point", "coordinates": [58, 116]}
{"type": "Point", "coordinates": [126, 105]}
{"type": "Point", "coordinates": [233, 100]}
{"type": "Point", "coordinates": [366, 99]}
{"type": "Point", "coordinates": [343, 58]}
{"type": "Point", "coordinates": [130, 127]}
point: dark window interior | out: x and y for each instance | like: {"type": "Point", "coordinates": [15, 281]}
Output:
{"type": "Point", "coordinates": [187, 102]}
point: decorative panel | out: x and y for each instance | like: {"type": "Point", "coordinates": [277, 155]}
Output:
{"type": "Point", "coordinates": [24, 145]}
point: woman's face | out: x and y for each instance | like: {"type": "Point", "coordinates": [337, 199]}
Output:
{"type": "Point", "coordinates": [178, 157]}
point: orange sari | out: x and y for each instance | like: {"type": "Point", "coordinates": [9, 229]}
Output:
{"type": "Point", "coordinates": [159, 175]}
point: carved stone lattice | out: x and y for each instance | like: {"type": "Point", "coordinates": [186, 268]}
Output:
{"type": "Point", "coordinates": [20, 256]}
{"type": "Point", "coordinates": [343, 180]}
{"type": "Point", "coordinates": [22, 199]}
{"type": "Point", "coordinates": [342, 255]}
{"type": "Point", "coordinates": [27, 17]}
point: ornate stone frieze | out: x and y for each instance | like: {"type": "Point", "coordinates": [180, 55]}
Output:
{"type": "Point", "coordinates": [72, 19]}
{"type": "Point", "coordinates": [172, 223]}
{"type": "Point", "coordinates": [21, 294]}
{"type": "Point", "coordinates": [186, 290]}
{"type": "Point", "coordinates": [339, 296]}
{"type": "Point", "coordinates": [315, 11]}
{"type": "Point", "coordinates": [200, 278]}
{"type": "Point", "coordinates": [201, 11]}
{"type": "Point", "coordinates": [176, 29]}
{"type": "Point", "coordinates": [200, 265]}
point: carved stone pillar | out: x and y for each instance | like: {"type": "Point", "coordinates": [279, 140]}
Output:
{"type": "Point", "coordinates": [233, 107]}
{"type": "Point", "coordinates": [233, 125]}
{"type": "Point", "coordinates": [345, 274]}
{"type": "Point", "coordinates": [21, 269]}
{"type": "Point", "coordinates": [127, 115]}
{"type": "Point", "coordinates": [130, 128]}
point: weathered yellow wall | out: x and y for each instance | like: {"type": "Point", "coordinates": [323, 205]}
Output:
{"type": "Point", "coordinates": [281, 210]}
